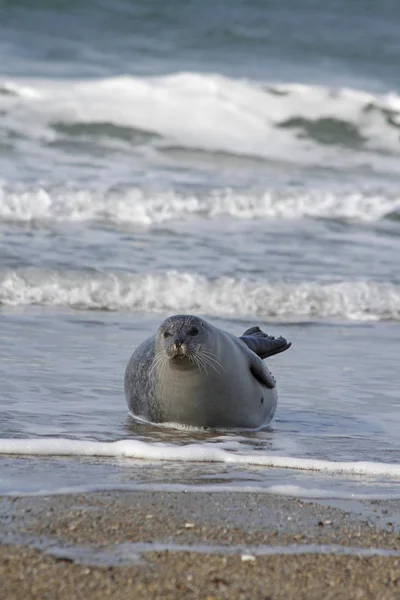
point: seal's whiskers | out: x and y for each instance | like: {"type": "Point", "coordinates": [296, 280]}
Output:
{"type": "Point", "coordinates": [200, 363]}
{"type": "Point", "coordinates": [211, 359]}
{"type": "Point", "coordinates": [157, 361]}
{"type": "Point", "coordinates": [187, 321]}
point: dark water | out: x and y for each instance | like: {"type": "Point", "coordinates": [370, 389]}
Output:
{"type": "Point", "coordinates": [235, 159]}
{"type": "Point", "coordinates": [309, 41]}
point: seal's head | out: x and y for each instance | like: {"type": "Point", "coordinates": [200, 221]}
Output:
{"type": "Point", "coordinates": [186, 342]}
{"type": "Point", "coordinates": [181, 337]}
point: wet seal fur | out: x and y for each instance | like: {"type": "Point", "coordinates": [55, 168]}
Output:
{"type": "Point", "coordinates": [194, 373]}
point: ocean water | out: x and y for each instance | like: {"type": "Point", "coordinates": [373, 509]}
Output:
{"type": "Point", "coordinates": [233, 159]}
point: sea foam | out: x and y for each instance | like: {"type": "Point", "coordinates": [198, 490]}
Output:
{"type": "Point", "coordinates": [140, 207]}
{"type": "Point", "coordinates": [190, 292]}
{"type": "Point", "coordinates": [190, 453]}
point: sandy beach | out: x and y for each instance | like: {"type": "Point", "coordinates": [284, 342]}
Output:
{"type": "Point", "coordinates": [197, 545]}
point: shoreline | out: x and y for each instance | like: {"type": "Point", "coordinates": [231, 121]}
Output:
{"type": "Point", "coordinates": [198, 545]}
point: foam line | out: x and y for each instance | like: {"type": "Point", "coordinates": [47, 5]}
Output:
{"type": "Point", "coordinates": [191, 453]}
{"type": "Point", "coordinates": [193, 293]}
{"type": "Point", "coordinates": [146, 208]}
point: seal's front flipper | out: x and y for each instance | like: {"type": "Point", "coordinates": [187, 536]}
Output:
{"type": "Point", "coordinates": [260, 372]}
{"type": "Point", "coordinates": [262, 344]}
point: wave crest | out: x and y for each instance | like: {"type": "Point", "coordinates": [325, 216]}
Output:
{"type": "Point", "coordinates": [305, 124]}
{"type": "Point", "coordinates": [186, 292]}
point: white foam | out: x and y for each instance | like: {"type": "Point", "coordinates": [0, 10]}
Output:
{"type": "Point", "coordinates": [190, 453]}
{"type": "Point", "coordinates": [19, 90]}
{"type": "Point", "coordinates": [214, 113]}
{"type": "Point", "coordinates": [190, 292]}
{"type": "Point", "coordinates": [136, 206]}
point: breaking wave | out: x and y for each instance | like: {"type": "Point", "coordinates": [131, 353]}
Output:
{"type": "Point", "coordinates": [187, 292]}
{"type": "Point", "coordinates": [135, 206]}
{"type": "Point", "coordinates": [304, 124]}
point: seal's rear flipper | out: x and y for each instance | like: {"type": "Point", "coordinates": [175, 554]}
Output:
{"type": "Point", "coordinates": [262, 344]}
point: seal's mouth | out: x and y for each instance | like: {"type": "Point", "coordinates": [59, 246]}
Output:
{"type": "Point", "coordinates": [178, 355]}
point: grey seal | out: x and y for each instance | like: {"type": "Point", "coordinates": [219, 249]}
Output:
{"type": "Point", "coordinates": [193, 373]}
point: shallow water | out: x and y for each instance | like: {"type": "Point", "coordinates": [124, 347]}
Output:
{"type": "Point", "coordinates": [340, 407]}
{"type": "Point", "coordinates": [215, 160]}
{"type": "Point", "coordinates": [131, 553]}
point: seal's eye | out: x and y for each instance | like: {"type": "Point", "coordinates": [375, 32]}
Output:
{"type": "Point", "coordinates": [167, 334]}
{"type": "Point", "coordinates": [193, 331]}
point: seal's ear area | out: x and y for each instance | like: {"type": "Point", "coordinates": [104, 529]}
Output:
{"type": "Point", "coordinates": [262, 344]}
{"type": "Point", "coordinates": [260, 372]}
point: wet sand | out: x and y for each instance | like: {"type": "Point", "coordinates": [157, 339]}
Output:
{"type": "Point", "coordinates": [197, 545]}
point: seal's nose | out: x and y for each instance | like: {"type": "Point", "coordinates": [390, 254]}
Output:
{"type": "Point", "coordinates": [178, 343]}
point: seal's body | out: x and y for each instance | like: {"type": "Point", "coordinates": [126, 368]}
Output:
{"type": "Point", "coordinates": [193, 373]}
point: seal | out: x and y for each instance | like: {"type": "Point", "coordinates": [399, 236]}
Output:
{"type": "Point", "coordinates": [194, 373]}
